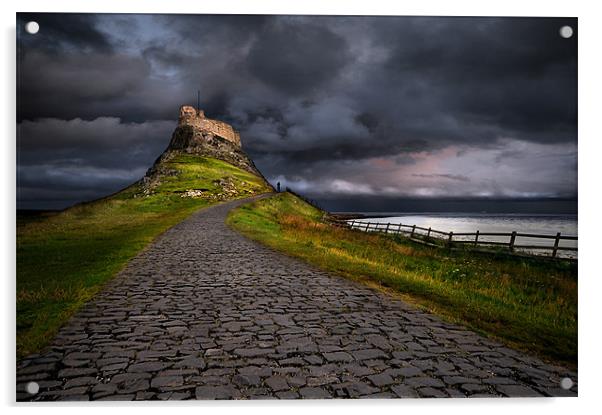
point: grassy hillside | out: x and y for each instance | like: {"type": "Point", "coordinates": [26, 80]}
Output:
{"type": "Point", "coordinates": [64, 259]}
{"type": "Point", "coordinates": [528, 303]}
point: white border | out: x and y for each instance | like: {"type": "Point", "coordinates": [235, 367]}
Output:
{"type": "Point", "coordinates": [590, 288]}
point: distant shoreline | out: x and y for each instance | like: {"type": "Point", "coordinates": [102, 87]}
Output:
{"type": "Point", "coordinates": [367, 215]}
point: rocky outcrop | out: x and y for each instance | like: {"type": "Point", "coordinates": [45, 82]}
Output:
{"type": "Point", "coordinates": [194, 140]}
{"type": "Point", "coordinates": [199, 135]}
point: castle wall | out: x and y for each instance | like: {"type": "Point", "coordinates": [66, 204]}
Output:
{"type": "Point", "coordinates": [190, 116]}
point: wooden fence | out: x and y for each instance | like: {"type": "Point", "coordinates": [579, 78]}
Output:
{"type": "Point", "coordinates": [467, 239]}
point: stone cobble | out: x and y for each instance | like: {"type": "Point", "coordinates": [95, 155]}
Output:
{"type": "Point", "coordinates": [205, 313]}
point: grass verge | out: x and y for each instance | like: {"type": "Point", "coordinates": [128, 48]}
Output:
{"type": "Point", "coordinates": [63, 259]}
{"type": "Point", "coordinates": [527, 303]}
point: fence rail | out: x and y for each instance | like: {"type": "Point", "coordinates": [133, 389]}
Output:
{"type": "Point", "coordinates": [429, 235]}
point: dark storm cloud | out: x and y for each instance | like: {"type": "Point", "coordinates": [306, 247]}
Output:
{"type": "Point", "coordinates": [318, 99]}
{"type": "Point", "coordinates": [297, 57]}
{"type": "Point", "coordinates": [517, 73]}
{"type": "Point", "coordinates": [204, 30]}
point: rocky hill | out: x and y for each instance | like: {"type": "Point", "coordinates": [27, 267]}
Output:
{"type": "Point", "coordinates": [197, 135]}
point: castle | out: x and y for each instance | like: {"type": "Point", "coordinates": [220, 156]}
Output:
{"type": "Point", "coordinates": [197, 134]}
{"type": "Point", "coordinates": [196, 119]}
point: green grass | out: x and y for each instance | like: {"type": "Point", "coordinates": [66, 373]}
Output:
{"type": "Point", "coordinates": [63, 259]}
{"type": "Point", "coordinates": [530, 304]}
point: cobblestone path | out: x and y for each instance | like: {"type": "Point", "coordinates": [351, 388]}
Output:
{"type": "Point", "coordinates": [205, 313]}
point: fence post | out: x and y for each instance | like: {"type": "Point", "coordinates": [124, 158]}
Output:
{"type": "Point", "coordinates": [428, 234]}
{"type": "Point", "coordinates": [556, 242]}
{"type": "Point", "coordinates": [399, 229]}
{"type": "Point", "coordinates": [352, 223]}
{"type": "Point", "coordinates": [451, 235]}
{"type": "Point", "coordinates": [413, 229]}
{"type": "Point", "coordinates": [367, 226]}
{"type": "Point", "coordinates": [512, 239]}
{"type": "Point", "coordinates": [387, 230]}
{"type": "Point", "coordinates": [476, 238]}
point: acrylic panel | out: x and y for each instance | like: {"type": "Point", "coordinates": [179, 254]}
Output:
{"type": "Point", "coordinates": [295, 207]}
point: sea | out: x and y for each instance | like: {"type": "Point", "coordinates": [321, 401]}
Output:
{"type": "Point", "coordinates": [541, 224]}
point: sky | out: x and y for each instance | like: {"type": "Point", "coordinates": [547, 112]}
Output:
{"type": "Point", "coordinates": [340, 109]}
